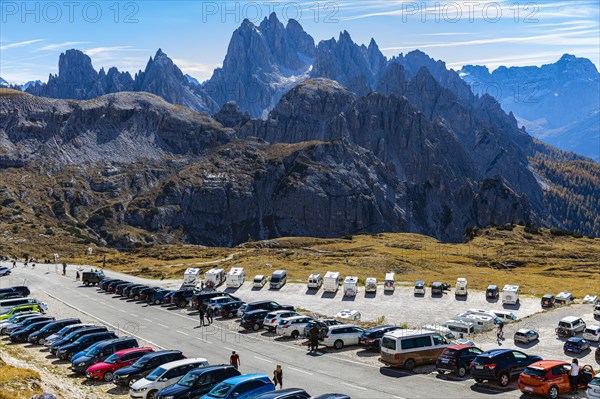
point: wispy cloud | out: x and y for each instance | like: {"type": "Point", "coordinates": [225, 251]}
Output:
{"type": "Point", "coordinates": [102, 50]}
{"type": "Point", "coordinates": [20, 44]}
{"type": "Point", "coordinates": [196, 69]}
{"type": "Point", "coordinates": [58, 46]}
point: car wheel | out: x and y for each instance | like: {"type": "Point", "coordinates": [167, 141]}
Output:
{"type": "Point", "coordinates": [69, 355]}
{"type": "Point", "coordinates": [339, 344]}
{"type": "Point", "coordinates": [137, 297]}
{"type": "Point", "coordinates": [462, 371]}
{"type": "Point", "coordinates": [503, 379]}
{"type": "Point", "coordinates": [157, 302]}
{"type": "Point", "coordinates": [40, 341]}
{"type": "Point", "coordinates": [553, 392]}
{"type": "Point", "coordinates": [108, 376]}
{"type": "Point", "coordinates": [441, 372]}
{"type": "Point", "coordinates": [152, 394]}
{"type": "Point", "coordinates": [256, 327]}
{"type": "Point", "coordinates": [479, 380]}
{"type": "Point", "coordinates": [409, 364]}
{"type": "Point", "coordinates": [295, 334]}
{"type": "Point", "coordinates": [86, 283]}
{"type": "Point", "coordinates": [230, 315]}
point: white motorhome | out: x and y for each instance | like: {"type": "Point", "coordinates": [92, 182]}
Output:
{"type": "Point", "coordinates": [461, 287]}
{"type": "Point", "coordinates": [390, 282]}
{"type": "Point", "coordinates": [460, 327]}
{"type": "Point", "coordinates": [191, 277]}
{"type": "Point", "coordinates": [331, 282]}
{"type": "Point", "coordinates": [214, 277]}
{"type": "Point", "coordinates": [480, 322]}
{"type": "Point", "coordinates": [510, 294]}
{"type": "Point", "coordinates": [371, 284]}
{"type": "Point", "coordinates": [442, 330]}
{"type": "Point", "coordinates": [236, 277]}
{"type": "Point", "coordinates": [350, 286]}
{"type": "Point", "coordinates": [563, 298]}
{"type": "Point", "coordinates": [314, 281]}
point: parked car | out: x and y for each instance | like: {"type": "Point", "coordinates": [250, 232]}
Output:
{"type": "Point", "coordinates": [592, 333]}
{"type": "Point", "coordinates": [99, 352]}
{"type": "Point", "coordinates": [525, 336]}
{"type": "Point", "coordinates": [201, 299]}
{"type": "Point", "coordinates": [259, 281]}
{"type": "Point", "coordinates": [4, 271]}
{"type": "Point", "coordinates": [181, 298]}
{"type": "Point", "coordinates": [593, 389]}
{"type": "Point", "coordinates": [371, 337]}
{"type": "Point", "coordinates": [63, 332]}
{"type": "Point", "coordinates": [66, 352]}
{"type": "Point", "coordinates": [75, 335]}
{"type": "Point", "coordinates": [39, 336]}
{"type": "Point", "coordinates": [457, 359]}
{"type": "Point", "coordinates": [120, 289]}
{"type": "Point", "coordinates": [548, 301]}
{"type": "Point", "coordinates": [267, 305]}
{"type": "Point", "coordinates": [118, 360]}
{"type": "Point", "coordinates": [158, 298]}
{"type": "Point", "coordinates": [576, 345]}
{"type": "Point", "coordinates": [218, 301]}
{"type": "Point", "coordinates": [551, 378]}
{"type": "Point", "coordinates": [230, 309]}
{"type": "Point", "coordinates": [113, 285]}
{"type": "Point", "coordinates": [437, 288]}
{"type": "Point", "coordinates": [31, 307]}
{"type": "Point", "coordinates": [272, 318]}
{"type": "Point", "coordinates": [92, 278]}
{"type": "Point", "coordinates": [500, 365]}
{"type": "Point", "coordinates": [349, 314]}
{"type": "Point", "coordinates": [293, 326]}
{"type": "Point", "coordinates": [409, 348]}
{"type": "Point", "coordinates": [105, 282]}
{"type": "Point", "coordinates": [342, 335]}
{"type": "Point", "coordinates": [134, 293]}
{"type": "Point", "coordinates": [127, 290]}
{"type": "Point", "coordinates": [419, 288]}
{"type": "Point", "coordinates": [15, 319]}
{"type": "Point", "coordinates": [288, 393]}
{"type": "Point", "coordinates": [25, 323]}
{"type": "Point", "coordinates": [570, 326]}
{"type": "Point", "coordinates": [247, 386]}
{"type": "Point", "coordinates": [163, 376]}
{"type": "Point", "coordinates": [20, 291]}
{"type": "Point", "coordinates": [22, 335]}
{"type": "Point", "coordinates": [127, 376]}
{"type": "Point", "coordinates": [254, 319]}
{"type": "Point", "coordinates": [149, 293]}
{"type": "Point", "coordinates": [198, 382]}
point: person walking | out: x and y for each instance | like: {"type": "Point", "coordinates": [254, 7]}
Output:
{"type": "Point", "coordinates": [201, 316]}
{"type": "Point", "coordinates": [234, 360]}
{"type": "Point", "coordinates": [209, 315]}
{"type": "Point", "coordinates": [313, 338]}
{"type": "Point", "coordinates": [77, 275]}
{"type": "Point", "coordinates": [64, 269]}
{"type": "Point", "coordinates": [278, 377]}
{"type": "Point", "coordinates": [574, 375]}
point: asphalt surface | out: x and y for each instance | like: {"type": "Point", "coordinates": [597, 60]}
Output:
{"type": "Point", "coordinates": [172, 328]}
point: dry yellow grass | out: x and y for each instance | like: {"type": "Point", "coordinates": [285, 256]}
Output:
{"type": "Point", "coordinates": [18, 383]}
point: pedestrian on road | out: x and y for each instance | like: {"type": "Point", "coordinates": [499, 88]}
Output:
{"type": "Point", "coordinates": [574, 375]}
{"type": "Point", "coordinates": [234, 360]}
{"type": "Point", "coordinates": [14, 264]}
{"type": "Point", "coordinates": [313, 338]}
{"type": "Point", "coordinates": [64, 269]}
{"type": "Point", "coordinates": [209, 316]}
{"type": "Point", "coordinates": [77, 276]}
{"type": "Point", "coordinates": [201, 316]}
{"type": "Point", "coordinates": [278, 377]}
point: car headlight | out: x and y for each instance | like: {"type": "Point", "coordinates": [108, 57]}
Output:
{"type": "Point", "coordinates": [167, 397]}
{"type": "Point", "coordinates": [81, 364]}
{"type": "Point", "coordinates": [122, 376]}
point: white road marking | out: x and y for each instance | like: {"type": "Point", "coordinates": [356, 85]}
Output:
{"type": "Point", "coordinates": [263, 359]}
{"type": "Point", "coordinates": [122, 311]}
{"type": "Point", "coordinates": [163, 326]}
{"type": "Point", "coordinates": [133, 314]}
{"type": "Point", "coordinates": [148, 320]}
{"type": "Point", "coordinates": [300, 371]}
{"type": "Point", "coordinates": [229, 349]}
{"type": "Point", "coordinates": [181, 332]}
{"type": "Point", "coordinates": [353, 386]}
{"type": "Point", "coordinates": [203, 340]}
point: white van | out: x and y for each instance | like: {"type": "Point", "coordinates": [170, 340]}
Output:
{"type": "Point", "coordinates": [331, 283]}
{"type": "Point", "coordinates": [259, 281]}
{"type": "Point", "coordinates": [163, 376]}
{"type": "Point", "coordinates": [314, 281]}
{"type": "Point", "coordinates": [214, 277]}
{"type": "Point", "coordinates": [483, 312]}
{"type": "Point", "coordinates": [409, 348]}
{"type": "Point", "coordinates": [480, 322]}
{"type": "Point", "coordinates": [371, 285]}
{"type": "Point", "coordinates": [389, 284]}
{"type": "Point", "coordinates": [278, 279]}
{"type": "Point", "coordinates": [236, 277]}
{"type": "Point", "coordinates": [460, 327]}
{"type": "Point", "coordinates": [510, 294]}
{"type": "Point", "coordinates": [350, 286]}
{"type": "Point", "coordinates": [505, 315]}
{"type": "Point", "coordinates": [461, 287]}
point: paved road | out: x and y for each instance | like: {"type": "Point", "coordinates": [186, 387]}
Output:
{"type": "Point", "coordinates": [166, 328]}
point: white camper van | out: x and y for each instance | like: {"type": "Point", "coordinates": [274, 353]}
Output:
{"type": "Point", "coordinates": [371, 284]}
{"type": "Point", "coordinates": [510, 294]}
{"type": "Point", "coordinates": [390, 282]}
{"type": "Point", "coordinates": [214, 277]}
{"type": "Point", "coordinates": [191, 277]}
{"type": "Point", "coordinates": [461, 287]}
{"type": "Point", "coordinates": [236, 277]}
{"type": "Point", "coordinates": [350, 286]}
{"type": "Point", "coordinates": [460, 327]}
{"type": "Point", "coordinates": [331, 282]}
{"type": "Point", "coordinates": [314, 281]}
{"type": "Point", "coordinates": [259, 281]}
{"type": "Point", "coordinates": [480, 322]}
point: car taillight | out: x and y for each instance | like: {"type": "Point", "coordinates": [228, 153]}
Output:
{"type": "Point", "coordinates": [273, 320]}
{"type": "Point", "coordinates": [325, 337]}
{"type": "Point", "coordinates": [369, 340]}
{"type": "Point", "coordinates": [285, 326]}
{"type": "Point", "coordinates": [491, 366]}
{"type": "Point", "coordinates": [397, 356]}
{"type": "Point", "coordinates": [453, 361]}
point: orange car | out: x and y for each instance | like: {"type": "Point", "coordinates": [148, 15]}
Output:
{"type": "Point", "coordinates": [551, 378]}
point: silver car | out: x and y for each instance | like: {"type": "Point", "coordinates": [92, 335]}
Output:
{"type": "Point", "coordinates": [526, 336]}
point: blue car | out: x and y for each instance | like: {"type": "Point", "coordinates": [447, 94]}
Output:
{"type": "Point", "coordinates": [576, 345]}
{"type": "Point", "coordinates": [247, 386]}
{"type": "Point", "coordinates": [159, 297]}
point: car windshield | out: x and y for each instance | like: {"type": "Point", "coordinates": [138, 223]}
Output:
{"type": "Point", "coordinates": [388, 343]}
{"type": "Point", "coordinates": [112, 359]}
{"type": "Point", "coordinates": [93, 350]}
{"type": "Point", "coordinates": [142, 362]}
{"type": "Point", "coordinates": [534, 371]}
{"type": "Point", "coordinates": [449, 352]}
{"type": "Point", "coordinates": [188, 380]}
{"type": "Point", "coordinates": [221, 390]}
{"type": "Point", "coordinates": [564, 324]}
{"type": "Point", "coordinates": [274, 279]}
{"type": "Point", "coordinates": [153, 376]}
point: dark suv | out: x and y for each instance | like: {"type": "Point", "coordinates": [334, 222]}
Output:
{"type": "Point", "coordinates": [138, 370]}
{"type": "Point", "coordinates": [254, 320]}
{"type": "Point", "coordinates": [135, 292]}
{"type": "Point", "coordinates": [127, 291]}
{"type": "Point", "coordinates": [92, 278]}
{"type": "Point", "coordinates": [39, 336]}
{"type": "Point", "coordinates": [200, 299]}
{"type": "Point", "coordinates": [66, 352]}
{"type": "Point", "coordinates": [159, 297]}
{"type": "Point", "coordinates": [112, 286]}
{"type": "Point", "coordinates": [371, 338]}
{"type": "Point", "coordinates": [198, 382]}
{"type": "Point", "coordinates": [103, 285]}
{"type": "Point", "coordinates": [181, 298]}
{"type": "Point", "coordinates": [267, 305]}
{"type": "Point", "coordinates": [100, 351]}
{"type": "Point", "coordinates": [22, 335]}
{"type": "Point", "coordinates": [148, 292]}
{"type": "Point", "coordinates": [75, 335]}
{"type": "Point", "coordinates": [457, 359]}
{"type": "Point", "coordinates": [229, 309]}
{"type": "Point", "coordinates": [14, 292]}
{"type": "Point", "coordinates": [500, 365]}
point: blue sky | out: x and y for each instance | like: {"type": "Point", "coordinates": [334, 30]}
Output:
{"type": "Point", "coordinates": [196, 33]}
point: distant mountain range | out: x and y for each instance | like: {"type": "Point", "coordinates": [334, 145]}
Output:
{"type": "Point", "coordinates": [558, 103]}
{"type": "Point", "coordinates": [297, 139]}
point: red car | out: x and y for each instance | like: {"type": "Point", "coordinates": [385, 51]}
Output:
{"type": "Point", "coordinates": [118, 360]}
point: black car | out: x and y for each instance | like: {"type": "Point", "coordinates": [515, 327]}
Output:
{"type": "Point", "coordinates": [492, 292]}
{"type": "Point", "coordinates": [113, 285]}
{"type": "Point", "coordinates": [229, 309]}
{"type": "Point", "coordinates": [254, 319]}
{"type": "Point", "coordinates": [371, 338]}
{"type": "Point", "coordinates": [99, 352]}
{"type": "Point", "coordinates": [200, 298]}
{"type": "Point", "coordinates": [548, 301]}
{"type": "Point", "coordinates": [198, 382]}
{"type": "Point", "coordinates": [322, 325]}
{"type": "Point", "coordinates": [92, 278]}
{"type": "Point", "coordinates": [288, 393]}
{"type": "Point", "coordinates": [181, 298]}
{"type": "Point", "coordinates": [500, 365]}
{"type": "Point", "coordinates": [148, 292]}
{"type": "Point", "coordinates": [24, 323]}
{"type": "Point", "coordinates": [437, 288]}
{"type": "Point", "coordinates": [22, 335]}
{"type": "Point", "coordinates": [267, 305]}
{"type": "Point", "coordinates": [75, 335]}
{"type": "Point", "coordinates": [39, 336]}
{"type": "Point", "coordinates": [67, 351]}
{"type": "Point", "coordinates": [120, 287]}
{"type": "Point", "coordinates": [128, 292]}
{"type": "Point", "coordinates": [138, 370]}
{"type": "Point", "coordinates": [134, 293]}
{"type": "Point", "coordinates": [457, 359]}
{"type": "Point", "coordinates": [14, 292]}
{"type": "Point", "coordinates": [159, 297]}
{"type": "Point", "coordinates": [103, 285]}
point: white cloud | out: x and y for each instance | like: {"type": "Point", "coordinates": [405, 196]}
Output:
{"type": "Point", "coordinates": [102, 50]}
{"type": "Point", "coordinates": [20, 44]}
{"type": "Point", "coordinates": [57, 46]}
